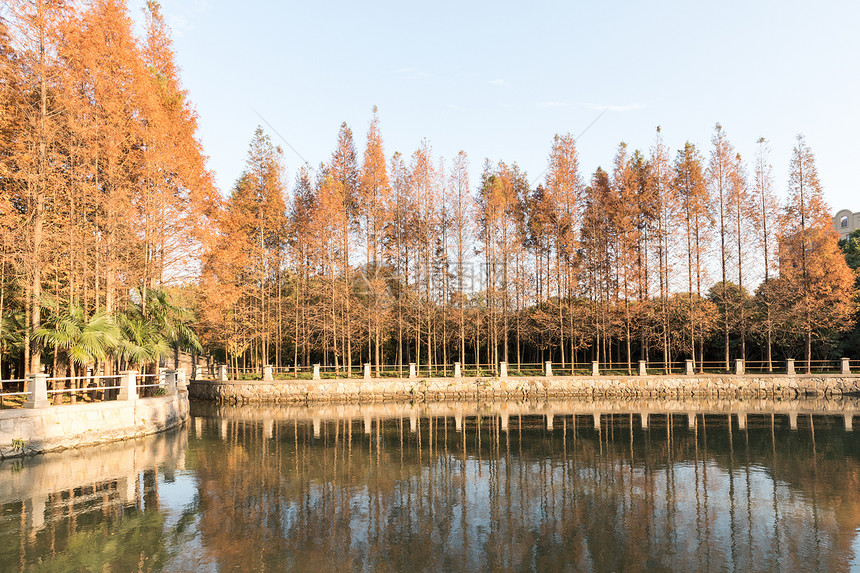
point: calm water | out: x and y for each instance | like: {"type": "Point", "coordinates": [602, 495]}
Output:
{"type": "Point", "coordinates": [502, 487]}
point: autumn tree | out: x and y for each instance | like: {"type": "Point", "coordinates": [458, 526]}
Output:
{"type": "Point", "coordinates": [563, 196]}
{"type": "Point", "coordinates": [692, 191]}
{"type": "Point", "coordinates": [374, 204]}
{"type": "Point", "coordinates": [718, 176]}
{"type": "Point", "coordinates": [816, 290]}
{"type": "Point", "coordinates": [765, 225]}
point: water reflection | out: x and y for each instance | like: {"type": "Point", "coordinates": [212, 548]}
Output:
{"type": "Point", "coordinates": [598, 485]}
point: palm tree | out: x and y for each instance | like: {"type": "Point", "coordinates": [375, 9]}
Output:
{"type": "Point", "coordinates": [170, 320]}
{"type": "Point", "coordinates": [84, 340]}
{"type": "Point", "coordinates": [141, 341]}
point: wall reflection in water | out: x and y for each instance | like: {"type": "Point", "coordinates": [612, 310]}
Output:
{"type": "Point", "coordinates": [581, 485]}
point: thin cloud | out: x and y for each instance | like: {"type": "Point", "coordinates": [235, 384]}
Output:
{"type": "Point", "coordinates": [182, 20]}
{"type": "Point", "coordinates": [630, 107]}
{"type": "Point", "coordinates": [594, 106]}
{"type": "Point", "coordinates": [498, 82]}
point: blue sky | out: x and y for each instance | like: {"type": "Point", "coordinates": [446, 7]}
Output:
{"type": "Point", "coordinates": [498, 79]}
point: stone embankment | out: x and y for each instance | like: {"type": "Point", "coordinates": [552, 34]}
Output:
{"type": "Point", "coordinates": [515, 388]}
{"type": "Point", "coordinates": [32, 431]}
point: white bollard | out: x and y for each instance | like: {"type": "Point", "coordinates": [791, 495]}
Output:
{"type": "Point", "coordinates": [38, 396]}
{"type": "Point", "coordinates": [690, 371]}
{"type": "Point", "coordinates": [267, 374]}
{"type": "Point", "coordinates": [127, 385]}
{"type": "Point", "coordinates": [846, 366]}
{"type": "Point", "coordinates": [789, 367]}
{"type": "Point", "coordinates": [181, 384]}
{"type": "Point", "coordinates": [503, 369]}
{"type": "Point", "coordinates": [595, 368]}
{"type": "Point", "coordinates": [739, 366]}
{"type": "Point", "coordinates": [317, 372]}
{"type": "Point", "coordinates": [548, 369]}
{"type": "Point", "coordinates": [457, 373]}
{"type": "Point", "coordinates": [222, 372]}
{"type": "Point", "coordinates": [198, 372]}
{"type": "Point", "coordinates": [170, 381]}
{"type": "Point", "coordinates": [412, 370]}
{"type": "Point", "coordinates": [643, 368]}
{"type": "Point", "coordinates": [367, 370]}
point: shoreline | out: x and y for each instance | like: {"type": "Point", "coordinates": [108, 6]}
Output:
{"type": "Point", "coordinates": [57, 428]}
{"type": "Point", "coordinates": [517, 388]}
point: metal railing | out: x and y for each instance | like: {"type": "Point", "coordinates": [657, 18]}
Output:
{"type": "Point", "coordinates": [88, 388]}
{"type": "Point", "coordinates": [532, 369]}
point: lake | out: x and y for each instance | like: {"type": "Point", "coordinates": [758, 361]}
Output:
{"type": "Point", "coordinates": [608, 485]}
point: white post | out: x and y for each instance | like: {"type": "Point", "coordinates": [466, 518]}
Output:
{"type": "Point", "coordinates": [596, 416]}
{"type": "Point", "coordinates": [128, 385]}
{"type": "Point", "coordinates": [549, 421]}
{"type": "Point", "coordinates": [317, 372]}
{"type": "Point", "coordinates": [458, 422]}
{"type": "Point", "coordinates": [181, 384]}
{"type": "Point", "coordinates": [412, 370]}
{"type": "Point", "coordinates": [457, 373]}
{"type": "Point", "coordinates": [503, 369]}
{"type": "Point", "coordinates": [198, 372]}
{"type": "Point", "coordinates": [547, 366]}
{"type": "Point", "coordinates": [222, 372]}
{"type": "Point", "coordinates": [739, 366]}
{"type": "Point", "coordinates": [267, 374]}
{"type": "Point", "coordinates": [643, 370]}
{"type": "Point", "coordinates": [413, 422]}
{"type": "Point", "coordinates": [317, 429]}
{"type": "Point", "coordinates": [742, 420]}
{"type": "Point", "coordinates": [595, 368]}
{"type": "Point", "coordinates": [792, 420]}
{"type": "Point", "coordinates": [170, 381]}
{"type": "Point", "coordinates": [849, 422]}
{"type": "Point", "coordinates": [38, 396]}
{"type": "Point", "coordinates": [691, 417]}
{"type": "Point", "coordinates": [367, 424]}
{"type": "Point", "coordinates": [846, 366]}
{"type": "Point", "coordinates": [789, 367]}
{"type": "Point", "coordinates": [504, 417]}
{"type": "Point", "coordinates": [367, 370]}
{"type": "Point", "coordinates": [644, 416]}
{"type": "Point", "coordinates": [690, 367]}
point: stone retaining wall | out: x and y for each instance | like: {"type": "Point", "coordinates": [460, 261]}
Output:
{"type": "Point", "coordinates": [60, 427]}
{"type": "Point", "coordinates": [286, 391]}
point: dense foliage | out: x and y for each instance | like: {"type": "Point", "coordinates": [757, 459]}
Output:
{"type": "Point", "coordinates": [104, 194]}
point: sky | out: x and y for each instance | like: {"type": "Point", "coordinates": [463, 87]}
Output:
{"type": "Point", "coordinates": [499, 79]}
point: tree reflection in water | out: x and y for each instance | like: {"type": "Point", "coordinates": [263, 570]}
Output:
{"type": "Point", "coordinates": [391, 490]}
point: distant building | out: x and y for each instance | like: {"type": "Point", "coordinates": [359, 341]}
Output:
{"type": "Point", "coordinates": [845, 221]}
